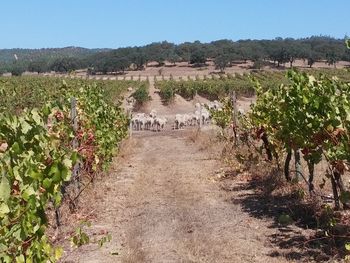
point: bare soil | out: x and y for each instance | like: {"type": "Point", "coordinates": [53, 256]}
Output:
{"type": "Point", "coordinates": [162, 202]}
{"type": "Point", "coordinates": [184, 70]}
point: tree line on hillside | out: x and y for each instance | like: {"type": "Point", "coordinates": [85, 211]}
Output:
{"type": "Point", "coordinates": [224, 53]}
{"type": "Point", "coordinates": [17, 60]}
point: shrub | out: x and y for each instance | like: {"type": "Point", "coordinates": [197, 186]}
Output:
{"type": "Point", "coordinates": [141, 95]}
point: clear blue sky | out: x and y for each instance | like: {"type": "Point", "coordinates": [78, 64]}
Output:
{"type": "Point", "coordinates": [117, 23]}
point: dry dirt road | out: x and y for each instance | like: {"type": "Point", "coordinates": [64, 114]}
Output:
{"type": "Point", "coordinates": [160, 204]}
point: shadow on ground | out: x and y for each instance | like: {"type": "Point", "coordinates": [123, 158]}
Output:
{"type": "Point", "coordinates": [297, 241]}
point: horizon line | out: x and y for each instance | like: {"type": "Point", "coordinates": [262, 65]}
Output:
{"type": "Point", "coordinates": [181, 42]}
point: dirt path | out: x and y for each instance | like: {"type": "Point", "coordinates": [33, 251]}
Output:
{"type": "Point", "coordinates": [161, 204]}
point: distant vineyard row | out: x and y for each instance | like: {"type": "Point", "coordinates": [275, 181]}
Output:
{"type": "Point", "coordinates": [29, 92]}
{"type": "Point", "coordinates": [216, 87]}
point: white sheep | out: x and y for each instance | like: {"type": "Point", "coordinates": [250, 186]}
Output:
{"type": "Point", "coordinates": [197, 116]}
{"type": "Point", "coordinates": [153, 113]}
{"type": "Point", "coordinates": [141, 123]}
{"type": "Point", "coordinates": [134, 123]}
{"type": "Point", "coordinates": [211, 105]}
{"type": "Point", "coordinates": [159, 123]}
{"type": "Point", "coordinates": [149, 123]}
{"type": "Point", "coordinates": [179, 121]}
{"type": "Point", "coordinates": [240, 111]}
{"type": "Point", "coordinates": [187, 119]}
{"type": "Point", "coordinates": [194, 119]}
{"type": "Point", "coordinates": [217, 105]}
{"type": "Point", "coordinates": [205, 116]}
{"type": "Point", "coordinates": [202, 115]}
{"type": "Point", "coordinates": [138, 121]}
{"type": "Point", "coordinates": [131, 100]}
{"type": "Point", "coordinates": [140, 114]}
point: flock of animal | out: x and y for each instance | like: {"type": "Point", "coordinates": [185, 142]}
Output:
{"type": "Point", "coordinates": [201, 116]}
{"type": "Point", "coordinates": [142, 121]}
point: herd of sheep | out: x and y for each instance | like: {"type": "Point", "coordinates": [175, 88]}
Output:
{"type": "Point", "coordinates": [141, 121]}
{"type": "Point", "coordinates": [201, 116]}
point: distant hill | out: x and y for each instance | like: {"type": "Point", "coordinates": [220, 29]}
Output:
{"type": "Point", "coordinates": [48, 54]}
{"type": "Point", "coordinates": [224, 53]}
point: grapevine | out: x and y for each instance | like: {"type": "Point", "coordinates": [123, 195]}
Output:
{"type": "Point", "coordinates": [36, 157]}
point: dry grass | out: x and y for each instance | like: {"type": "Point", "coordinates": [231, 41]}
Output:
{"type": "Point", "coordinates": [182, 69]}
{"type": "Point", "coordinates": [276, 197]}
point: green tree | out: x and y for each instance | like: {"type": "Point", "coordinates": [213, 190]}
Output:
{"type": "Point", "coordinates": [332, 58]}
{"type": "Point", "coordinates": [39, 66]}
{"type": "Point", "coordinates": [139, 58]}
{"type": "Point", "coordinates": [198, 58]}
{"type": "Point", "coordinates": [17, 68]}
{"type": "Point", "coordinates": [310, 61]}
{"type": "Point", "coordinates": [113, 64]}
{"type": "Point", "coordinates": [293, 51]}
{"type": "Point", "coordinates": [282, 56]}
{"type": "Point", "coordinates": [184, 51]}
{"type": "Point", "coordinates": [221, 62]}
{"type": "Point", "coordinates": [65, 65]}
{"type": "Point", "coordinates": [173, 58]}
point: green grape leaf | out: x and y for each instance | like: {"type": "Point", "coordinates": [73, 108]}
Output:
{"type": "Point", "coordinates": [47, 183]}
{"type": "Point", "coordinates": [28, 192]}
{"type": "Point", "coordinates": [5, 189]}
{"type": "Point", "coordinates": [347, 246]}
{"type": "Point", "coordinates": [4, 209]}
{"type": "Point", "coordinates": [35, 116]}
